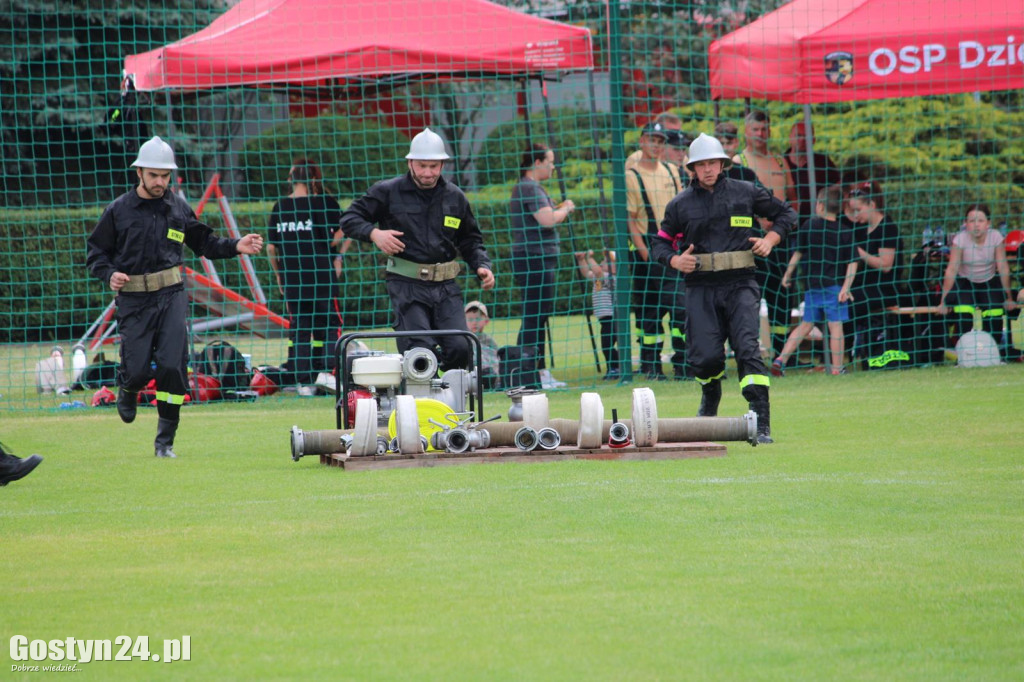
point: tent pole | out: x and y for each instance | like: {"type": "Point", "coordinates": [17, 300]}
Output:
{"type": "Point", "coordinates": [568, 223]}
{"type": "Point", "coordinates": [603, 202]}
{"type": "Point", "coordinates": [809, 141]}
{"type": "Point", "coordinates": [526, 112]}
{"type": "Point", "coordinates": [170, 118]}
{"type": "Point", "coordinates": [624, 273]}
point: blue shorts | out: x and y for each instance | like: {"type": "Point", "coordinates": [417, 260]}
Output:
{"type": "Point", "coordinates": [822, 305]}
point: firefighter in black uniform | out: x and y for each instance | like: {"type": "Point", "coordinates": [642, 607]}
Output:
{"type": "Point", "coordinates": [136, 249]}
{"type": "Point", "coordinates": [709, 235]}
{"type": "Point", "coordinates": [425, 223]}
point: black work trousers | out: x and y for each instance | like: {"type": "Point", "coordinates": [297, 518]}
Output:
{"type": "Point", "coordinates": [423, 306]}
{"type": "Point", "coordinates": [719, 312]}
{"type": "Point", "coordinates": [657, 292]}
{"type": "Point", "coordinates": [535, 276]}
{"type": "Point", "coordinates": [314, 325]}
{"type": "Point", "coordinates": [154, 330]}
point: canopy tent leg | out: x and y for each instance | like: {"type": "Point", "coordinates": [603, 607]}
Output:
{"type": "Point", "coordinates": [568, 224]}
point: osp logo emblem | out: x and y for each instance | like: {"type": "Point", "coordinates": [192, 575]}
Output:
{"type": "Point", "coordinates": [839, 67]}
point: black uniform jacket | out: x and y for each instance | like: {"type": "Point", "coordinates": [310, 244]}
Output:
{"type": "Point", "coordinates": [437, 225]}
{"type": "Point", "coordinates": [719, 221]}
{"type": "Point", "coordinates": [138, 236]}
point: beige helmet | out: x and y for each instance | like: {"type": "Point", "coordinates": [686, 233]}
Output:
{"type": "Point", "coordinates": [427, 146]}
{"type": "Point", "coordinates": [705, 148]}
{"type": "Point", "coordinates": [156, 153]}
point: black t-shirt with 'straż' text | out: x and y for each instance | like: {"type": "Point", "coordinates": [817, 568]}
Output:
{"type": "Point", "coordinates": [301, 229]}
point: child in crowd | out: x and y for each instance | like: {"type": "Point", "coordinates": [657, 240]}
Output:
{"type": "Point", "coordinates": [476, 320]}
{"type": "Point", "coordinates": [603, 298]}
{"type": "Point", "coordinates": [977, 278]}
{"type": "Point", "coordinates": [828, 247]}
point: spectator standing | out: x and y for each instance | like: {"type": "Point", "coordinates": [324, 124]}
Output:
{"type": "Point", "coordinates": [429, 221]}
{"type": "Point", "coordinates": [825, 172]}
{"type": "Point", "coordinates": [670, 123]}
{"type": "Point", "coordinates": [602, 279]}
{"type": "Point", "coordinates": [773, 173]}
{"type": "Point", "coordinates": [727, 133]}
{"type": "Point", "coordinates": [977, 278]}
{"type": "Point", "coordinates": [828, 248]}
{"type": "Point", "coordinates": [303, 228]}
{"type": "Point", "coordinates": [708, 234]}
{"type": "Point", "coordinates": [676, 146]}
{"type": "Point", "coordinates": [650, 185]}
{"type": "Point", "coordinates": [535, 248]}
{"type": "Point", "coordinates": [136, 249]}
{"type": "Point", "coordinates": [879, 247]}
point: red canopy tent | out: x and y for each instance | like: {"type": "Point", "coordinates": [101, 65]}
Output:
{"type": "Point", "coordinates": [813, 51]}
{"type": "Point", "coordinates": [338, 42]}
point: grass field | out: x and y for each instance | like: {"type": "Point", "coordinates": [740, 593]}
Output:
{"type": "Point", "coordinates": [880, 538]}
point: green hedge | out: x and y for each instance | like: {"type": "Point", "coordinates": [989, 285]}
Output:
{"type": "Point", "coordinates": [51, 295]}
{"type": "Point", "coordinates": [349, 153]}
{"type": "Point", "coordinates": [572, 139]}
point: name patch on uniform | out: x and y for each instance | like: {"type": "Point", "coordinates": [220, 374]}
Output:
{"type": "Point", "coordinates": [175, 235]}
{"type": "Point", "coordinates": [452, 222]}
{"type": "Point", "coordinates": [741, 221]}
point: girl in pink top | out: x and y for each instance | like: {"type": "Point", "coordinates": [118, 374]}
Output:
{"type": "Point", "coordinates": [977, 275]}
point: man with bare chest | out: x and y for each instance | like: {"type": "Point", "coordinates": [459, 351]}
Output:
{"type": "Point", "coordinates": [772, 172]}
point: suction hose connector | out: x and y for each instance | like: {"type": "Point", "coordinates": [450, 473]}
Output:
{"type": "Point", "coordinates": [548, 439]}
{"type": "Point", "coordinates": [618, 435]}
{"type": "Point", "coordinates": [526, 439]}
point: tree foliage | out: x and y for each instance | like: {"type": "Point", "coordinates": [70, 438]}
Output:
{"type": "Point", "coordinates": [65, 57]}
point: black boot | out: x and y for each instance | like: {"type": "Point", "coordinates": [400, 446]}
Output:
{"type": "Point", "coordinates": [127, 404]}
{"type": "Point", "coordinates": [764, 421]}
{"type": "Point", "coordinates": [757, 398]}
{"type": "Point", "coordinates": [650, 364]}
{"type": "Point", "coordinates": [711, 395]}
{"type": "Point", "coordinates": [165, 430]}
{"type": "Point", "coordinates": [13, 468]}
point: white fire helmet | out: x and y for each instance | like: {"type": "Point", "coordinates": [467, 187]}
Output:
{"type": "Point", "coordinates": [427, 146]}
{"type": "Point", "coordinates": [705, 148]}
{"type": "Point", "coordinates": [156, 153]}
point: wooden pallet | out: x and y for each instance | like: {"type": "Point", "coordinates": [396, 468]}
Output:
{"type": "Point", "coordinates": [509, 454]}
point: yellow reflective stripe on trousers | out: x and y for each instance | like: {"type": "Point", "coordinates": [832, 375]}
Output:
{"type": "Point", "coordinates": [170, 398]}
{"type": "Point", "coordinates": [779, 329]}
{"type": "Point", "coordinates": [710, 379]}
{"type": "Point", "coordinates": [887, 357]}
{"type": "Point", "coordinates": [678, 333]}
{"type": "Point", "coordinates": [994, 312]}
{"type": "Point", "coordinates": [964, 309]}
{"type": "Point", "coordinates": [755, 380]}
{"type": "Point", "coordinates": [651, 340]}
{"type": "Point", "coordinates": [317, 344]}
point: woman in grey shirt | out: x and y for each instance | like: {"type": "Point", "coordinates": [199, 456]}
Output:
{"type": "Point", "coordinates": [535, 249]}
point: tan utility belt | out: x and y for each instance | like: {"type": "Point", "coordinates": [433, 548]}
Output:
{"type": "Point", "coordinates": [729, 260]}
{"type": "Point", "coordinates": [153, 281]}
{"type": "Point", "coordinates": [425, 272]}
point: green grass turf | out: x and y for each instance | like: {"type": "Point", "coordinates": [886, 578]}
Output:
{"type": "Point", "coordinates": [878, 539]}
